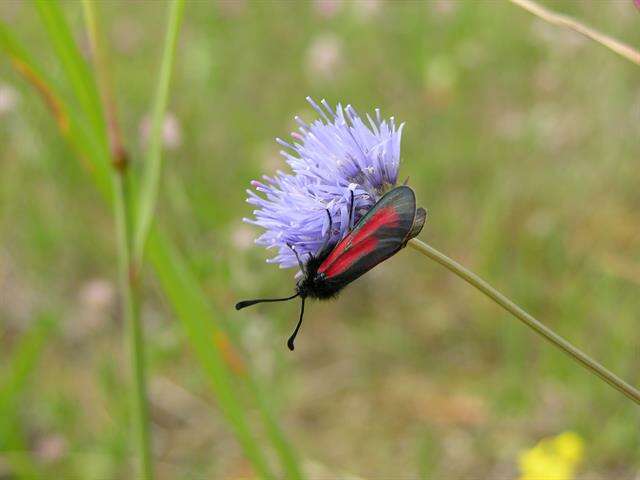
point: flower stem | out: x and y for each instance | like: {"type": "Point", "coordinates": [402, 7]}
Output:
{"type": "Point", "coordinates": [128, 272]}
{"type": "Point", "coordinates": [566, 21]}
{"type": "Point", "coordinates": [579, 356]}
{"type": "Point", "coordinates": [150, 181]}
{"type": "Point", "coordinates": [129, 283]}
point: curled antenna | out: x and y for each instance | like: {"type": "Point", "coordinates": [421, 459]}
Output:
{"type": "Point", "coordinates": [327, 237]}
{"type": "Point", "coordinates": [295, 332]}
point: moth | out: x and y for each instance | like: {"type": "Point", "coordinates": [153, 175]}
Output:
{"type": "Point", "coordinates": [383, 231]}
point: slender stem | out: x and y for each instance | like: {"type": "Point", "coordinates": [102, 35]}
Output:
{"type": "Point", "coordinates": [549, 16]}
{"type": "Point", "coordinates": [153, 165]}
{"type": "Point", "coordinates": [134, 334]}
{"type": "Point", "coordinates": [129, 282]}
{"type": "Point", "coordinates": [579, 356]}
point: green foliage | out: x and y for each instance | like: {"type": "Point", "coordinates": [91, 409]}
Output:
{"type": "Point", "coordinates": [173, 272]}
{"type": "Point", "coordinates": [150, 182]}
{"type": "Point", "coordinates": [520, 140]}
{"type": "Point", "coordinates": [13, 381]}
{"type": "Point", "coordinates": [22, 362]}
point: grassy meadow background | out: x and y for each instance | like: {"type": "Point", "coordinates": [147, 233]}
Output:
{"type": "Point", "coordinates": [521, 140]}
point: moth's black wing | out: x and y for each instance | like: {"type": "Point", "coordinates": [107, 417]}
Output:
{"type": "Point", "coordinates": [418, 223]}
{"type": "Point", "coordinates": [383, 231]}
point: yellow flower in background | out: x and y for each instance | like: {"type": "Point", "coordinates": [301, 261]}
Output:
{"type": "Point", "coordinates": [553, 458]}
{"type": "Point", "coordinates": [569, 446]}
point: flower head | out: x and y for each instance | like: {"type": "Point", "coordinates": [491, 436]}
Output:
{"type": "Point", "coordinates": [335, 155]}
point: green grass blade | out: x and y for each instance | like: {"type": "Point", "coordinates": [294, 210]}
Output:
{"type": "Point", "coordinates": [22, 463]}
{"type": "Point", "coordinates": [150, 181]}
{"type": "Point", "coordinates": [139, 403]}
{"type": "Point", "coordinates": [283, 448]}
{"type": "Point", "coordinates": [129, 281]}
{"type": "Point", "coordinates": [285, 451]}
{"type": "Point", "coordinates": [89, 117]}
{"type": "Point", "coordinates": [74, 65]}
{"type": "Point", "coordinates": [24, 360]}
{"type": "Point", "coordinates": [70, 122]}
{"type": "Point", "coordinates": [177, 272]}
{"type": "Point", "coordinates": [196, 316]}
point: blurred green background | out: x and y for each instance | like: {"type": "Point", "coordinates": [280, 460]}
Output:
{"type": "Point", "coordinates": [521, 140]}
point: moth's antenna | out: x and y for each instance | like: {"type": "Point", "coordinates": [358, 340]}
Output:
{"type": "Point", "coordinates": [351, 212]}
{"type": "Point", "coordinates": [328, 235]}
{"type": "Point", "coordinates": [295, 332]}
{"type": "Point", "coordinates": [248, 303]}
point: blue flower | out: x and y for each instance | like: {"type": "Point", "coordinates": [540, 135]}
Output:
{"type": "Point", "coordinates": [329, 158]}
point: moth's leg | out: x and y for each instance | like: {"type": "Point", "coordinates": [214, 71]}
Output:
{"type": "Point", "coordinates": [295, 252]}
{"type": "Point", "coordinates": [351, 207]}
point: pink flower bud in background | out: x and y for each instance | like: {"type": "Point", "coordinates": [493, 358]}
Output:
{"type": "Point", "coordinates": [96, 301]}
{"type": "Point", "coordinates": [327, 8]}
{"type": "Point", "coordinates": [51, 448]}
{"type": "Point", "coordinates": [445, 8]}
{"type": "Point", "coordinates": [8, 99]}
{"type": "Point", "coordinates": [171, 131]}
{"type": "Point", "coordinates": [97, 294]}
{"type": "Point", "coordinates": [324, 57]}
{"type": "Point", "coordinates": [242, 237]}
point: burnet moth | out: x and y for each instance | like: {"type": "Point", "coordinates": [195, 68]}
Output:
{"type": "Point", "coordinates": [381, 233]}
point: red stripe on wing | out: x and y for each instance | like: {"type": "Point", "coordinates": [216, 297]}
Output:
{"type": "Point", "coordinates": [386, 217]}
{"type": "Point", "coordinates": [358, 243]}
{"type": "Point", "coordinates": [348, 257]}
